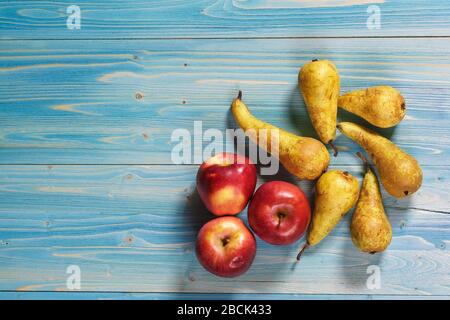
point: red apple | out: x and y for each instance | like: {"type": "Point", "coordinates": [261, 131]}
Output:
{"type": "Point", "coordinates": [226, 247]}
{"type": "Point", "coordinates": [279, 213]}
{"type": "Point", "coordinates": [226, 182]}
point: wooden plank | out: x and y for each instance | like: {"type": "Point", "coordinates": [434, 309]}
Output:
{"type": "Point", "coordinates": [132, 228]}
{"type": "Point", "coordinates": [76, 295]}
{"type": "Point", "coordinates": [118, 102]}
{"type": "Point", "coordinates": [224, 18]}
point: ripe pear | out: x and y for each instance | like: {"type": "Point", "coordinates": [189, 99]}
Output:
{"type": "Point", "coordinates": [370, 228]}
{"type": "Point", "coordinates": [336, 193]}
{"type": "Point", "coordinates": [382, 106]}
{"type": "Point", "coordinates": [400, 173]}
{"type": "Point", "coordinates": [319, 84]}
{"type": "Point", "coordinates": [304, 157]}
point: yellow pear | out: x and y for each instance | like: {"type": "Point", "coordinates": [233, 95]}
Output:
{"type": "Point", "coordinates": [304, 157]}
{"type": "Point", "coordinates": [382, 106]}
{"type": "Point", "coordinates": [319, 84]}
{"type": "Point", "coordinates": [336, 193]}
{"type": "Point", "coordinates": [400, 173]}
{"type": "Point", "coordinates": [370, 228]}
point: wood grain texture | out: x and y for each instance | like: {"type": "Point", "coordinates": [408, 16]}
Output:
{"type": "Point", "coordinates": [83, 295]}
{"type": "Point", "coordinates": [222, 18]}
{"type": "Point", "coordinates": [86, 116]}
{"type": "Point", "coordinates": [132, 228]}
{"type": "Point", "coordinates": [118, 102]}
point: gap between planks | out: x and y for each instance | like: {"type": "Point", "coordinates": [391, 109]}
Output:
{"type": "Point", "coordinates": [226, 38]}
{"type": "Point", "coordinates": [209, 293]}
{"type": "Point", "coordinates": [168, 164]}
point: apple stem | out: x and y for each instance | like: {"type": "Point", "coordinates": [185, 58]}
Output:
{"type": "Point", "coordinates": [225, 241]}
{"type": "Point", "coordinates": [239, 97]}
{"type": "Point", "coordinates": [305, 246]}
{"type": "Point", "coordinates": [333, 147]}
{"type": "Point", "coordinates": [364, 160]}
{"type": "Point", "coordinates": [280, 218]}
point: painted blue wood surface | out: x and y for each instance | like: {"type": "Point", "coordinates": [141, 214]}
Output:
{"type": "Point", "coordinates": [223, 18]}
{"type": "Point", "coordinates": [36, 295]}
{"type": "Point", "coordinates": [80, 118]}
{"type": "Point", "coordinates": [91, 86]}
{"type": "Point", "coordinates": [132, 228]}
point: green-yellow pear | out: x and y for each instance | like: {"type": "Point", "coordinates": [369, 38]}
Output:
{"type": "Point", "coordinates": [370, 227]}
{"type": "Point", "coordinates": [304, 157]}
{"type": "Point", "coordinates": [400, 173]}
{"type": "Point", "coordinates": [336, 193]}
{"type": "Point", "coordinates": [319, 84]}
{"type": "Point", "coordinates": [382, 106]}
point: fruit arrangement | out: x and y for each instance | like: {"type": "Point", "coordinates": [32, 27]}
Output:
{"type": "Point", "coordinates": [279, 212]}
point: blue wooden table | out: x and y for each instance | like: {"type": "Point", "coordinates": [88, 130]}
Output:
{"type": "Point", "coordinates": [86, 117]}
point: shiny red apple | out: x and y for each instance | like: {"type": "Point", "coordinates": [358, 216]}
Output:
{"type": "Point", "coordinates": [226, 247]}
{"type": "Point", "coordinates": [279, 213]}
{"type": "Point", "coordinates": [226, 182]}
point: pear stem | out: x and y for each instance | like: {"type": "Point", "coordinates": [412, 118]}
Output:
{"type": "Point", "coordinates": [364, 160]}
{"type": "Point", "coordinates": [333, 147]}
{"type": "Point", "coordinates": [239, 97]}
{"type": "Point", "coordinates": [299, 255]}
